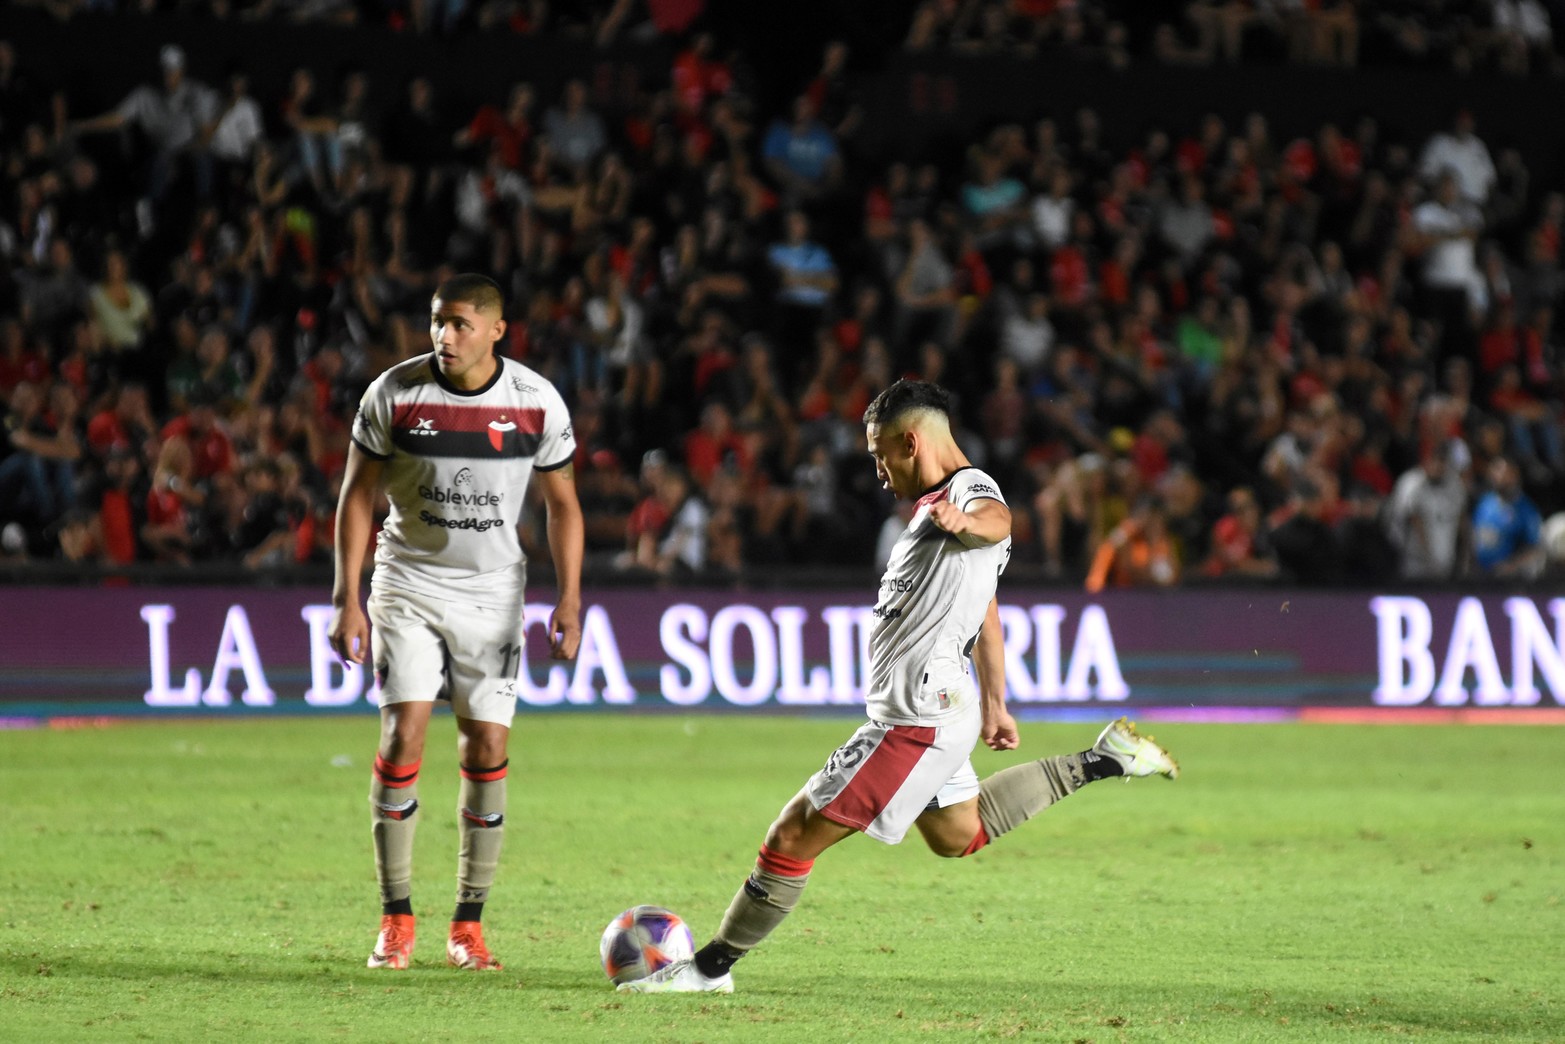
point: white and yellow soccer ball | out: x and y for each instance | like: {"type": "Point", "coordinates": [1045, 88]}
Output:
{"type": "Point", "coordinates": [642, 940]}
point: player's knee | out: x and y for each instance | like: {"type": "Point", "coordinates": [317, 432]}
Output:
{"type": "Point", "coordinates": [947, 844]}
{"type": "Point", "coordinates": [784, 835]}
{"type": "Point", "coordinates": [481, 743]}
{"type": "Point", "coordinates": [401, 739]}
{"type": "Point", "coordinates": [789, 835]}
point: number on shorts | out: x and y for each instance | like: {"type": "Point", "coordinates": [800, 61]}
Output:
{"type": "Point", "coordinates": [852, 752]}
{"type": "Point", "coordinates": [510, 659]}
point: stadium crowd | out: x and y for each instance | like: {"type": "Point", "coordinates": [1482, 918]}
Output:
{"type": "Point", "coordinates": [1199, 353]}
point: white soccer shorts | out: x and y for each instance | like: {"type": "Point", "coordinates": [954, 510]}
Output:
{"type": "Point", "coordinates": [427, 648]}
{"type": "Point", "coordinates": [886, 776]}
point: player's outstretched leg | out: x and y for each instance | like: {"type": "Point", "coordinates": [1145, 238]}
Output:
{"type": "Point", "coordinates": [680, 977]}
{"type": "Point", "coordinates": [1012, 796]}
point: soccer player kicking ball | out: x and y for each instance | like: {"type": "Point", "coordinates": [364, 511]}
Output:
{"type": "Point", "coordinates": [909, 766]}
{"type": "Point", "coordinates": [453, 437]}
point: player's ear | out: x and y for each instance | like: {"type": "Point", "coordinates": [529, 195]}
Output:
{"type": "Point", "coordinates": [499, 330]}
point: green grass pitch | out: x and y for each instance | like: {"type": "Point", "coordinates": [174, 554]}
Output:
{"type": "Point", "coordinates": [212, 881]}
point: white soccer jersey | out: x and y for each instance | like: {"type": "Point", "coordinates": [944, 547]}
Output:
{"type": "Point", "coordinates": [933, 597]}
{"type": "Point", "coordinates": [457, 467]}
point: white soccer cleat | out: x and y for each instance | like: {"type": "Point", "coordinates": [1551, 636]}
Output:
{"type": "Point", "coordinates": [680, 977]}
{"type": "Point", "coordinates": [1138, 755]}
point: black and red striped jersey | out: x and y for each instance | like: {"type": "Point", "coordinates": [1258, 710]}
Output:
{"type": "Point", "coordinates": [457, 467]}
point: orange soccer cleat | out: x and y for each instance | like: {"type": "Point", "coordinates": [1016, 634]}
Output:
{"type": "Point", "coordinates": [394, 947]}
{"type": "Point", "coordinates": [465, 948]}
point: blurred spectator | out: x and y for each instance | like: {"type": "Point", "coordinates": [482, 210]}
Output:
{"type": "Point", "coordinates": [20, 359]}
{"type": "Point", "coordinates": [575, 131]}
{"type": "Point", "coordinates": [1446, 231]}
{"type": "Point", "coordinates": [995, 203]}
{"type": "Point", "coordinates": [713, 445]}
{"type": "Point", "coordinates": [923, 282]}
{"type": "Point", "coordinates": [1240, 546]}
{"type": "Point", "coordinates": [1137, 552]}
{"type": "Point", "coordinates": [55, 294]}
{"type": "Point", "coordinates": [173, 506]}
{"type": "Point", "coordinates": [123, 424]}
{"type": "Point", "coordinates": [237, 129]}
{"type": "Point", "coordinates": [259, 524]}
{"type": "Point", "coordinates": [1462, 153]}
{"type": "Point", "coordinates": [1185, 224]}
{"type": "Point", "coordinates": [680, 552]}
{"type": "Point", "coordinates": [177, 119]}
{"type": "Point", "coordinates": [1425, 518]}
{"type": "Point", "coordinates": [801, 154]}
{"type": "Point", "coordinates": [890, 532]}
{"type": "Point", "coordinates": [1052, 211]}
{"type": "Point", "coordinates": [37, 479]}
{"type": "Point", "coordinates": [107, 528]}
{"type": "Point", "coordinates": [1522, 35]}
{"type": "Point", "coordinates": [1303, 538]}
{"type": "Point", "coordinates": [1507, 529]}
{"type": "Point", "coordinates": [507, 133]}
{"type": "Point", "coordinates": [806, 279]}
{"type": "Point", "coordinates": [120, 305]}
{"type": "Point", "coordinates": [1533, 425]}
{"type": "Point", "coordinates": [314, 132]}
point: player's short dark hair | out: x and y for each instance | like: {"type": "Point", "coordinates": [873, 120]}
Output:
{"type": "Point", "coordinates": [471, 288]}
{"type": "Point", "coordinates": [904, 397]}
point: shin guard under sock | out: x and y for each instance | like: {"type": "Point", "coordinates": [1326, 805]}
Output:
{"type": "Point", "coordinates": [393, 801]}
{"type": "Point", "coordinates": [768, 896]}
{"type": "Point", "coordinates": [481, 821]}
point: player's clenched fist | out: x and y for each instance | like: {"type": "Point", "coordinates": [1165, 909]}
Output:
{"type": "Point", "coordinates": [949, 517]}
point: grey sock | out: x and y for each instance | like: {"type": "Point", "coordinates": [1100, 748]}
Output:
{"type": "Point", "coordinates": [1012, 796]}
{"type": "Point", "coordinates": [391, 826]}
{"type": "Point", "coordinates": [481, 822]}
{"type": "Point", "coordinates": [758, 907]}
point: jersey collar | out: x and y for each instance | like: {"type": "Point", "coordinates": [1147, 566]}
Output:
{"type": "Point", "coordinates": [440, 378]}
{"type": "Point", "coordinates": [945, 480]}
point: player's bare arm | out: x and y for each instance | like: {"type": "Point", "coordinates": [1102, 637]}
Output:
{"type": "Point", "coordinates": [567, 535]}
{"type": "Point", "coordinates": [999, 728]}
{"type": "Point", "coordinates": [350, 632]}
{"type": "Point", "coordinates": [986, 522]}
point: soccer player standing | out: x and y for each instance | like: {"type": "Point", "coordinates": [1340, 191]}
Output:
{"type": "Point", "coordinates": [909, 764]}
{"type": "Point", "coordinates": [453, 437]}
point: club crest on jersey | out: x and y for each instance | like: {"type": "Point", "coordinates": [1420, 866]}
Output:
{"type": "Point", "coordinates": [497, 430]}
{"type": "Point", "coordinates": [944, 699]}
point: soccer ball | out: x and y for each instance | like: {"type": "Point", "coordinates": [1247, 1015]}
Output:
{"type": "Point", "coordinates": [641, 940]}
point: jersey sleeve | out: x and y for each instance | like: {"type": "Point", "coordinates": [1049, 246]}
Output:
{"type": "Point", "coordinates": [971, 485]}
{"type": "Point", "coordinates": [372, 424]}
{"type": "Point", "coordinates": [558, 445]}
